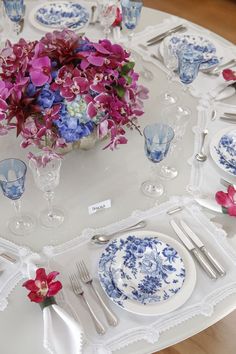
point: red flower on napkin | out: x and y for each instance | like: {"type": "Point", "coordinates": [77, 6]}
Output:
{"type": "Point", "coordinates": [43, 286]}
{"type": "Point", "coordinates": [227, 201]}
{"type": "Point", "coordinates": [229, 74]}
{"type": "Point", "coordinates": [118, 19]}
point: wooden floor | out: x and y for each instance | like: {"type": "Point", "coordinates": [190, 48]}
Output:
{"type": "Point", "coordinates": [220, 17]}
{"type": "Point", "coordinates": [216, 15]}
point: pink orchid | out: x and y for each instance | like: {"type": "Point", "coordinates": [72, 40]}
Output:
{"type": "Point", "coordinates": [40, 71]}
{"type": "Point", "coordinates": [227, 200]}
{"type": "Point", "coordinates": [43, 286]}
{"type": "Point", "coordinates": [229, 74]}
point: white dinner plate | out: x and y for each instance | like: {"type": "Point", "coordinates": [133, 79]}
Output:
{"type": "Point", "coordinates": [56, 15]}
{"type": "Point", "coordinates": [223, 150]}
{"type": "Point", "coordinates": [205, 46]}
{"type": "Point", "coordinates": [106, 279]}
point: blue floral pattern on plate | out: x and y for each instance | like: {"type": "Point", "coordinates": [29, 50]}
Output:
{"type": "Point", "coordinates": [223, 150]}
{"type": "Point", "coordinates": [143, 269]}
{"type": "Point", "coordinates": [146, 269]}
{"type": "Point", "coordinates": [62, 15]}
{"type": "Point", "coordinates": [198, 43]}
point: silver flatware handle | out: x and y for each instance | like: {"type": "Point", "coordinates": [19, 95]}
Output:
{"type": "Point", "coordinates": [161, 36]}
{"type": "Point", "coordinates": [204, 264]}
{"type": "Point", "coordinates": [229, 64]}
{"type": "Point", "coordinates": [110, 316]}
{"type": "Point", "coordinates": [228, 119]}
{"type": "Point", "coordinates": [98, 325]}
{"type": "Point", "coordinates": [213, 261]}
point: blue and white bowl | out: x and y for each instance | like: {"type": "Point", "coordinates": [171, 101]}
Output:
{"type": "Point", "coordinates": [223, 150]}
{"type": "Point", "coordinates": [149, 300]}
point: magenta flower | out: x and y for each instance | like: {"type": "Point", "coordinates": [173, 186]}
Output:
{"type": "Point", "coordinates": [40, 71]}
{"type": "Point", "coordinates": [227, 200]}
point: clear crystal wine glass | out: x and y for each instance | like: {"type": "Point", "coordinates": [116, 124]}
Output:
{"type": "Point", "coordinates": [12, 182]}
{"type": "Point", "coordinates": [46, 171]}
{"type": "Point", "coordinates": [107, 14]}
{"type": "Point", "coordinates": [15, 10]}
{"type": "Point", "coordinates": [178, 118]}
{"type": "Point", "coordinates": [158, 138]}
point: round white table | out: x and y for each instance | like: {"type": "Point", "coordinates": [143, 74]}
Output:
{"type": "Point", "coordinates": [86, 178]}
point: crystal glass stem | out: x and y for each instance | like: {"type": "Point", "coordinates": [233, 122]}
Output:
{"type": "Point", "coordinates": [49, 196]}
{"type": "Point", "coordinates": [18, 213]}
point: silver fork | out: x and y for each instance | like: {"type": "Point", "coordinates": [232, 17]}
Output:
{"type": "Point", "coordinates": [78, 290]}
{"type": "Point", "coordinates": [87, 279]}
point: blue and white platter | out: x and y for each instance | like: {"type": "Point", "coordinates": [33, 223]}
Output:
{"type": "Point", "coordinates": [60, 14]}
{"type": "Point", "coordinates": [199, 43]}
{"type": "Point", "coordinates": [147, 273]}
{"type": "Point", "coordinates": [223, 150]}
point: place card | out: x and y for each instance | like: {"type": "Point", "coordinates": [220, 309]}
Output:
{"type": "Point", "coordinates": [105, 204]}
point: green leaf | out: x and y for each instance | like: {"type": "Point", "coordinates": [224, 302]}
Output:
{"type": "Point", "coordinates": [126, 68]}
{"type": "Point", "coordinates": [128, 79]}
{"type": "Point", "coordinates": [120, 90]}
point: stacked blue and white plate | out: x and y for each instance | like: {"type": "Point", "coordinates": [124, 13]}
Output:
{"type": "Point", "coordinates": [223, 150]}
{"type": "Point", "coordinates": [146, 272]}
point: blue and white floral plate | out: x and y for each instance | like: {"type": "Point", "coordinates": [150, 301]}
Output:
{"type": "Point", "coordinates": [60, 14]}
{"type": "Point", "coordinates": [147, 269]}
{"type": "Point", "coordinates": [199, 43]}
{"type": "Point", "coordinates": [141, 241]}
{"type": "Point", "coordinates": [223, 150]}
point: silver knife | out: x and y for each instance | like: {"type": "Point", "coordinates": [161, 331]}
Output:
{"type": "Point", "coordinates": [232, 115]}
{"type": "Point", "coordinates": [7, 257]}
{"type": "Point", "coordinates": [197, 254]}
{"type": "Point", "coordinates": [201, 246]}
{"type": "Point", "coordinates": [161, 36]}
{"type": "Point", "coordinates": [231, 120]}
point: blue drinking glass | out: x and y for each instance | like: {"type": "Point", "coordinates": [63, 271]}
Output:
{"type": "Point", "coordinates": [189, 61]}
{"type": "Point", "coordinates": [131, 11]}
{"type": "Point", "coordinates": [15, 10]}
{"type": "Point", "coordinates": [158, 138]}
{"type": "Point", "coordinates": [12, 182]}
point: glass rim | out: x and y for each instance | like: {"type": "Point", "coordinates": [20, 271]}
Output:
{"type": "Point", "coordinates": [14, 180]}
{"type": "Point", "coordinates": [170, 129]}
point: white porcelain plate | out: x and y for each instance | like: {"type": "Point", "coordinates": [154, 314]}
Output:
{"type": "Point", "coordinates": [223, 150]}
{"type": "Point", "coordinates": [105, 273]}
{"type": "Point", "coordinates": [199, 43]}
{"type": "Point", "coordinates": [59, 15]}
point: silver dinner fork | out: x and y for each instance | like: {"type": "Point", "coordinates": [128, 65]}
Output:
{"type": "Point", "coordinates": [78, 290]}
{"type": "Point", "coordinates": [87, 279]}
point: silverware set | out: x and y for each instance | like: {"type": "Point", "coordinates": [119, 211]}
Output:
{"type": "Point", "coordinates": [157, 39]}
{"type": "Point", "coordinates": [192, 242]}
{"type": "Point", "coordinates": [83, 275]}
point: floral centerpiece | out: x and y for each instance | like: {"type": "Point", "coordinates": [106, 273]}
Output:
{"type": "Point", "coordinates": [64, 87]}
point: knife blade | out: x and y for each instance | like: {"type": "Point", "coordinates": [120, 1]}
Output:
{"type": "Point", "coordinates": [228, 119]}
{"type": "Point", "coordinates": [231, 115]}
{"type": "Point", "coordinates": [201, 246]}
{"type": "Point", "coordinates": [204, 264]}
{"type": "Point", "coordinates": [161, 36]}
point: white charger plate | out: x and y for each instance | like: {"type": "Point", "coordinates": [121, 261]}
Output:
{"type": "Point", "coordinates": [219, 153]}
{"type": "Point", "coordinates": [106, 280]}
{"type": "Point", "coordinates": [73, 23]}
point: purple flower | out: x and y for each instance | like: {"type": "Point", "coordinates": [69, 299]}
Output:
{"type": "Point", "coordinates": [40, 71]}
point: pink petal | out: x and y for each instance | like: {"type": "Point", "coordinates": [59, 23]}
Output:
{"type": "Point", "coordinates": [35, 298]}
{"type": "Point", "coordinates": [41, 274]}
{"type": "Point", "coordinates": [232, 193]}
{"type": "Point", "coordinates": [40, 62]}
{"type": "Point", "coordinates": [91, 110]}
{"type": "Point", "coordinates": [30, 285]}
{"type": "Point", "coordinates": [223, 199]}
{"type": "Point", "coordinates": [100, 48]}
{"type": "Point", "coordinates": [232, 210]}
{"type": "Point", "coordinates": [3, 105]}
{"type": "Point", "coordinates": [94, 60]}
{"type": "Point", "coordinates": [51, 276]}
{"type": "Point", "coordinates": [54, 288]}
{"type": "Point", "coordinates": [38, 78]}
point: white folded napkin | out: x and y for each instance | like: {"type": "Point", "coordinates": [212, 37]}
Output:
{"type": "Point", "coordinates": [62, 334]}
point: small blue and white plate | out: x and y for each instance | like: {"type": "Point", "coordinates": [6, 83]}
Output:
{"type": "Point", "coordinates": [142, 244]}
{"type": "Point", "coordinates": [223, 150]}
{"type": "Point", "coordinates": [59, 15]}
{"type": "Point", "coordinates": [199, 43]}
{"type": "Point", "coordinates": [147, 269]}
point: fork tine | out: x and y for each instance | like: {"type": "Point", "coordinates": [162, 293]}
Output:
{"type": "Point", "coordinates": [85, 269]}
{"type": "Point", "coordinates": [80, 271]}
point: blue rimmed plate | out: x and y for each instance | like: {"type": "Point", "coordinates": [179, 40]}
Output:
{"type": "Point", "coordinates": [147, 269]}
{"type": "Point", "coordinates": [60, 14]}
{"type": "Point", "coordinates": [199, 43]}
{"type": "Point", "coordinates": [110, 286]}
{"type": "Point", "coordinates": [223, 150]}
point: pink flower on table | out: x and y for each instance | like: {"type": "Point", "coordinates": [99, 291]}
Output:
{"type": "Point", "coordinates": [4, 94]}
{"type": "Point", "coordinates": [43, 286]}
{"type": "Point", "coordinates": [227, 200]}
{"type": "Point", "coordinates": [229, 74]}
{"type": "Point", "coordinates": [40, 71]}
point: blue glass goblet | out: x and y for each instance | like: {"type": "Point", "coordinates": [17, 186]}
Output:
{"type": "Point", "coordinates": [12, 182]}
{"type": "Point", "coordinates": [189, 61]}
{"type": "Point", "coordinates": [15, 10]}
{"type": "Point", "coordinates": [131, 11]}
{"type": "Point", "coordinates": [158, 138]}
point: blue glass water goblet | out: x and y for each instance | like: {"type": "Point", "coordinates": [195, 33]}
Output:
{"type": "Point", "coordinates": [12, 182]}
{"type": "Point", "coordinates": [15, 10]}
{"type": "Point", "coordinates": [46, 172]}
{"type": "Point", "coordinates": [131, 12]}
{"type": "Point", "coordinates": [158, 138]}
{"type": "Point", "coordinates": [189, 61]}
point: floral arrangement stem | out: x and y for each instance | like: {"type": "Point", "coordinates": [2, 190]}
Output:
{"type": "Point", "coordinates": [48, 302]}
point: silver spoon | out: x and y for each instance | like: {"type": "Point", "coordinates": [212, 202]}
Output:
{"type": "Point", "coordinates": [103, 239]}
{"type": "Point", "coordinates": [201, 156]}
